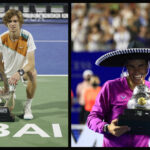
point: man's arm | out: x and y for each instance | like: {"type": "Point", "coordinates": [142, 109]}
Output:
{"type": "Point", "coordinates": [29, 66]}
{"type": "Point", "coordinates": [31, 62]}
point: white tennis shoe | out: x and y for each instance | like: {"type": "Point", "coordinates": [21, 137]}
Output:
{"type": "Point", "coordinates": [28, 113]}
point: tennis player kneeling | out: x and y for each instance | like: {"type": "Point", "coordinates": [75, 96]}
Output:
{"type": "Point", "coordinates": [17, 60]}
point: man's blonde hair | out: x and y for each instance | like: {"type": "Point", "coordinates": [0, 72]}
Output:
{"type": "Point", "coordinates": [12, 12]}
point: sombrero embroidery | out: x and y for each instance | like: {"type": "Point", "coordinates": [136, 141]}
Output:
{"type": "Point", "coordinates": [117, 58]}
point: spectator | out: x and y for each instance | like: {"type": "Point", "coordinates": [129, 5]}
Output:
{"type": "Point", "coordinates": [80, 92]}
{"type": "Point", "coordinates": [93, 16]}
{"type": "Point", "coordinates": [126, 13]}
{"type": "Point", "coordinates": [79, 38]}
{"type": "Point", "coordinates": [94, 39]}
{"type": "Point", "coordinates": [79, 28]}
{"type": "Point", "coordinates": [132, 28]}
{"type": "Point", "coordinates": [90, 94]}
{"type": "Point", "coordinates": [142, 35]}
{"type": "Point", "coordinates": [121, 37]}
{"type": "Point", "coordinates": [108, 31]}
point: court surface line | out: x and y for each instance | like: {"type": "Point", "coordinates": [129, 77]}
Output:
{"type": "Point", "coordinates": [51, 41]}
{"type": "Point", "coordinates": [44, 75]}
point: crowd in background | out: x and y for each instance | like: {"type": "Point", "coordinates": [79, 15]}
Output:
{"type": "Point", "coordinates": [108, 26]}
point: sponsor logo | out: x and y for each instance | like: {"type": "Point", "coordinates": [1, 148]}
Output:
{"type": "Point", "coordinates": [21, 47]}
{"type": "Point", "coordinates": [123, 97]}
{"type": "Point", "coordinates": [26, 129]}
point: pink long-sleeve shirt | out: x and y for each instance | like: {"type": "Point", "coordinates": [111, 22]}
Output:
{"type": "Point", "coordinates": [109, 104]}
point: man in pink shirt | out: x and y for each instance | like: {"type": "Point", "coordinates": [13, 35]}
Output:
{"type": "Point", "coordinates": [115, 94]}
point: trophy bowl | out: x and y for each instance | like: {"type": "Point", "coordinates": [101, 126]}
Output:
{"type": "Point", "coordinates": [6, 106]}
{"type": "Point", "coordinates": [137, 114]}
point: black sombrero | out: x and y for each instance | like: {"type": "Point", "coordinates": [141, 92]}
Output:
{"type": "Point", "coordinates": [118, 58]}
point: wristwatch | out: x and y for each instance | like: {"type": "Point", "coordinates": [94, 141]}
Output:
{"type": "Point", "coordinates": [105, 129]}
{"type": "Point", "coordinates": [21, 72]}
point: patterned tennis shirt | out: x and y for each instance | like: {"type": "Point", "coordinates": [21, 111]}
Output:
{"type": "Point", "coordinates": [15, 52]}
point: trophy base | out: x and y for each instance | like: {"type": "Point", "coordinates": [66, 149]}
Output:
{"type": "Point", "coordinates": [137, 119]}
{"type": "Point", "coordinates": [5, 115]}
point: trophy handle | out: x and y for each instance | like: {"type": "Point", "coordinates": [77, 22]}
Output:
{"type": "Point", "coordinates": [11, 102]}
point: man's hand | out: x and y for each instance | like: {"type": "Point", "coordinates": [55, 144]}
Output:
{"type": "Point", "coordinates": [117, 130]}
{"type": "Point", "coordinates": [14, 79]}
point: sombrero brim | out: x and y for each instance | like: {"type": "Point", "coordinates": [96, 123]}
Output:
{"type": "Point", "coordinates": [118, 58]}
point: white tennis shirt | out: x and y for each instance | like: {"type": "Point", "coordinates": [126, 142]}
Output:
{"type": "Point", "coordinates": [15, 52]}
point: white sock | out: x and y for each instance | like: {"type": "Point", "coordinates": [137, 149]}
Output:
{"type": "Point", "coordinates": [28, 103]}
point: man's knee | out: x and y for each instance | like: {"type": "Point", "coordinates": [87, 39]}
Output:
{"type": "Point", "coordinates": [31, 75]}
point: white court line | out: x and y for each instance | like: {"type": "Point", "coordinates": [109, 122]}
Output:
{"type": "Point", "coordinates": [44, 75]}
{"type": "Point", "coordinates": [52, 41]}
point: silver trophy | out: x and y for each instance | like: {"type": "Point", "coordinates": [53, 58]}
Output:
{"type": "Point", "coordinates": [7, 104]}
{"type": "Point", "coordinates": [137, 113]}
{"type": "Point", "coordinates": [140, 98]}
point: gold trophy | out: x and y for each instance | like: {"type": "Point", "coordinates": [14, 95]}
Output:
{"type": "Point", "coordinates": [137, 114]}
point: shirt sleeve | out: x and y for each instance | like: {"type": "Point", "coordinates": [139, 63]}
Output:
{"type": "Point", "coordinates": [98, 115]}
{"type": "Point", "coordinates": [31, 44]}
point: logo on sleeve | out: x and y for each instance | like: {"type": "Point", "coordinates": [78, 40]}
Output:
{"type": "Point", "coordinates": [20, 47]}
{"type": "Point", "coordinates": [123, 97]}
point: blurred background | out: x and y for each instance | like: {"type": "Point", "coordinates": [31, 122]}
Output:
{"type": "Point", "coordinates": [98, 28]}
